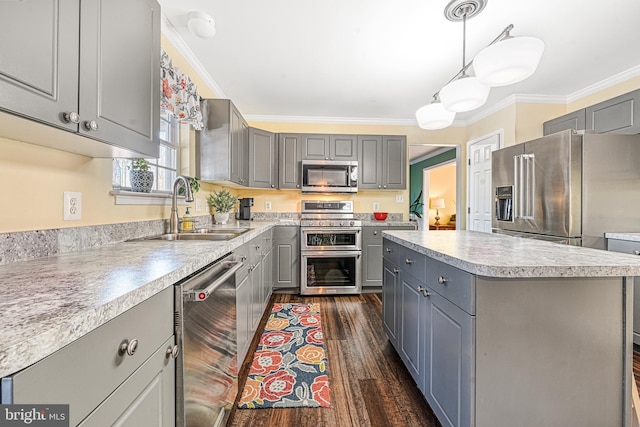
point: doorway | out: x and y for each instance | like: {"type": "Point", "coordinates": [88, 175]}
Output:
{"type": "Point", "coordinates": [479, 193]}
{"type": "Point", "coordinates": [440, 196]}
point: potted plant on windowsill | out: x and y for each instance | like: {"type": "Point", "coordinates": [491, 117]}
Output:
{"type": "Point", "coordinates": [140, 176]}
{"type": "Point", "coordinates": [222, 202]}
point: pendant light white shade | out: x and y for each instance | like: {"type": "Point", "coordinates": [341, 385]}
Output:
{"type": "Point", "coordinates": [464, 94]}
{"type": "Point", "coordinates": [201, 24]}
{"type": "Point", "coordinates": [434, 116]}
{"type": "Point", "coordinates": [508, 61]}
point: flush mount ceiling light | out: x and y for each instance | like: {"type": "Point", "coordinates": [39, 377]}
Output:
{"type": "Point", "coordinates": [201, 24]}
{"type": "Point", "coordinates": [505, 61]}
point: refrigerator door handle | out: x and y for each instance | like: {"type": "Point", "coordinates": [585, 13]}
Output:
{"type": "Point", "coordinates": [518, 207]}
{"type": "Point", "coordinates": [528, 184]}
{"type": "Point", "coordinates": [531, 184]}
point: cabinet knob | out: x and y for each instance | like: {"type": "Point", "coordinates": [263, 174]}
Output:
{"type": "Point", "coordinates": [172, 351]}
{"type": "Point", "coordinates": [636, 252]}
{"type": "Point", "coordinates": [426, 293]}
{"type": "Point", "coordinates": [375, 233]}
{"type": "Point", "coordinates": [243, 258]}
{"type": "Point", "coordinates": [297, 185]}
{"type": "Point", "coordinates": [128, 347]}
{"type": "Point", "coordinates": [384, 186]}
{"type": "Point", "coordinates": [71, 117]}
{"type": "Point", "coordinates": [396, 271]}
{"type": "Point", "coordinates": [388, 250]}
{"type": "Point", "coordinates": [408, 261]}
{"type": "Point", "coordinates": [379, 186]}
{"type": "Point", "coordinates": [273, 186]}
{"type": "Point", "coordinates": [333, 158]}
{"type": "Point", "coordinates": [91, 125]}
{"type": "Point", "coordinates": [442, 280]}
{"type": "Point", "coordinates": [326, 158]}
{"type": "Point", "coordinates": [420, 289]}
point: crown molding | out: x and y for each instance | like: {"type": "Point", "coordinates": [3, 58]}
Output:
{"type": "Point", "coordinates": [178, 42]}
{"type": "Point", "coordinates": [605, 84]}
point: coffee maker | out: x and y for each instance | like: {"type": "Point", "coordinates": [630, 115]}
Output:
{"type": "Point", "coordinates": [244, 211]}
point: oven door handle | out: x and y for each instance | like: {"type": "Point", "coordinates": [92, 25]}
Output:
{"type": "Point", "coordinates": [331, 254]}
{"type": "Point", "coordinates": [331, 230]}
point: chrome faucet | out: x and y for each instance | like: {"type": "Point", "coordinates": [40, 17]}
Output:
{"type": "Point", "coordinates": [188, 197]}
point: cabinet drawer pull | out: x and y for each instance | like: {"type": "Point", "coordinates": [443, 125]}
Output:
{"type": "Point", "coordinates": [396, 271]}
{"type": "Point", "coordinates": [91, 125]}
{"type": "Point", "coordinates": [442, 280]}
{"type": "Point", "coordinates": [128, 347]}
{"type": "Point", "coordinates": [388, 250]}
{"type": "Point", "coordinates": [426, 293]}
{"type": "Point", "coordinates": [71, 117]}
{"type": "Point", "coordinates": [172, 351]}
{"type": "Point", "coordinates": [408, 261]}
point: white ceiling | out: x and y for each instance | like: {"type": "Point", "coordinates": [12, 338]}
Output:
{"type": "Point", "coordinates": [379, 60]}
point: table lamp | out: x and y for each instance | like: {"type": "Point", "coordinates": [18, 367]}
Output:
{"type": "Point", "coordinates": [436, 204]}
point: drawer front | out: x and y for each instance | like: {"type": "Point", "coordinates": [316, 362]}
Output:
{"type": "Point", "coordinates": [624, 246]}
{"type": "Point", "coordinates": [372, 233]}
{"type": "Point", "coordinates": [412, 262]}
{"type": "Point", "coordinates": [454, 284]}
{"type": "Point", "coordinates": [242, 254]}
{"type": "Point", "coordinates": [86, 371]}
{"type": "Point", "coordinates": [391, 251]}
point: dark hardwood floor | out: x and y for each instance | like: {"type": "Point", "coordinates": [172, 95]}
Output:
{"type": "Point", "coordinates": [369, 384]}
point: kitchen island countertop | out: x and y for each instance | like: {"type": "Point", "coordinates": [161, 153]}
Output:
{"type": "Point", "coordinates": [496, 255]}
{"type": "Point", "coordinates": [46, 303]}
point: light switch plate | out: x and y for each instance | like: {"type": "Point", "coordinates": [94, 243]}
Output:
{"type": "Point", "coordinates": [267, 206]}
{"type": "Point", "coordinates": [376, 206]}
{"type": "Point", "coordinates": [72, 206]}
{"type": "Point", "coordinates": [399, 198]}
{"type": "Point", "coordinates": [198, 205]}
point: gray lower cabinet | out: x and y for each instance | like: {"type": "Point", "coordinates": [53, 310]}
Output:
{"type": "Point", "coordinates": [390, 301]}
{"type": "Point", "coordinates": [286, 257]}
{"type": "Point", "coordinates": [575, 120]}
{"type": "Point", "coordinates": [223, 145]}
{"type": "Point", "coordinates": [616, 115]}
{"type": "Point", "coordinates": [382, 162]}
{"type": "Point", "coordinates": [289, 158]}
{"type": "Point", "coordinates": [103, 385]}
{"type": "Point", "coordinates": [372, 254]}
{"type": "Point", "coordinates": [263, 159]}
{"type": "Point", "coordinates": [632, 248]}
{"type": "Point", "coordinates": [67, 72]}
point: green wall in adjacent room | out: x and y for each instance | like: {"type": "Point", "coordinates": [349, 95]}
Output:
{"type": "Point", "coordinates": [415, 173]}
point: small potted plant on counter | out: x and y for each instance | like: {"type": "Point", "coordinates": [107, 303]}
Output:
{"type": "Point", "coordinates": [140, 176]}
{"type": "Point", "coordinates": [222, 202]}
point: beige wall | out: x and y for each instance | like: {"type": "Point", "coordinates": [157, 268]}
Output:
{"type": "Point", "coordinates": [34, 178]}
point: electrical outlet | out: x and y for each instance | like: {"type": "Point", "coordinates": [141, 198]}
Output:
{"type": "Point", "coordinates": [267, 206]}
{"type": "Point", "coordinates": [399, 198]}
{"type": "Point", "coordinates": [376, 206]}
{"type": "Point", "coordinates": [72, 206]}
{"type": "Point", "coordinates": [198, 205]}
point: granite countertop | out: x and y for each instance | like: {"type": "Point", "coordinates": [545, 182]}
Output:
{"type": "Point", "coordinates": [46, 303]}
{"type": "Point", "coordinates": [632, 237]}
{"type": "Point", "coordinates": [500, 256]}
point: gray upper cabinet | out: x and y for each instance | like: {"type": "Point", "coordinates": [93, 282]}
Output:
{"type": "Point", "coordinates": [382, 162]}
{"type": "Point", "coordinates": [329, 147]}
{"type": "Point", "coordinates": [289, 156]}
{"type": "Point", "coordinates": [315, 147]}
{"type": "Point", "coordinates": [68, 72]}
{"type": "Point", "coordinates": [222, 147]}
{"type": "Point", "coordinates": [617, 115]}
{"type": "Point", "coordinates": [575, 121]}
{"type": "Point", "coordinates": [263, 159]}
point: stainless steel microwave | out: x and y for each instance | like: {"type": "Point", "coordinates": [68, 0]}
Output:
{"type": "Point", "coordinates": [329, 176]}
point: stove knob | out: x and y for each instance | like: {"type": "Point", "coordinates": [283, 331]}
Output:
{"type": "Point", "coordinates": [341, 224]}
{"type": "Point", "coordinates": [321, 223]}
{"type": "Point", "coordinates": [351, 223]}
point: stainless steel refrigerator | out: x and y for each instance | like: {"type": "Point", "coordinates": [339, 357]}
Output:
{"type": "Point", "coordinates": [569, 187]}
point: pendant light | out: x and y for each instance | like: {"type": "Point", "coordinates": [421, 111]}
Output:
{"type": "Point", "coordinates": [464, 93]}
{"type": "Point", "coordinates": [505, 61]}
{"type": "Point", "coordinates": [434, 116]}
{"type": "Point", "coordinates": [508, 61]}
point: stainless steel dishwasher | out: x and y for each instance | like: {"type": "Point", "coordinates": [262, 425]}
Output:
{"type": "Point", "coordinates": [205, 327]}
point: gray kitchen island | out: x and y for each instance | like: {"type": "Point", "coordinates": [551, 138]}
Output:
{"type": "Point", "coordinates": [504, 331]}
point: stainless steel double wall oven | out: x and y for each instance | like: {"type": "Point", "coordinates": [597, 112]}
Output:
{"type": "Point", "coordinates": [330, 248]}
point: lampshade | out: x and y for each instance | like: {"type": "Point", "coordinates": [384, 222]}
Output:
{"type": "Point", "coordinates": [433, 116]}
{"type": "Point", "coordinates": [201, 25]}
{"type": "Point", "coordinates": [508, 61]}
{"type": "Point", "coordinates": [437, 203]}
{"type": "Point", "coordinates": [464, 94]}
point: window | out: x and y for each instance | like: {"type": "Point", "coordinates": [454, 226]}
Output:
{"type": "Point", "coordinates": [164, 167]}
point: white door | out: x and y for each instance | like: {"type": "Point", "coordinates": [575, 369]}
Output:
{"type": "Point", "coordinates": [479, 198]}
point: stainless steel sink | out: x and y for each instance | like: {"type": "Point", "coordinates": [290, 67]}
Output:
{"type": "Point", "coordinates": [210, 234]}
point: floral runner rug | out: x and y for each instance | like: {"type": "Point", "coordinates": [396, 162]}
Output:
{"type": "Point", "coordinates": [289, 368]}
